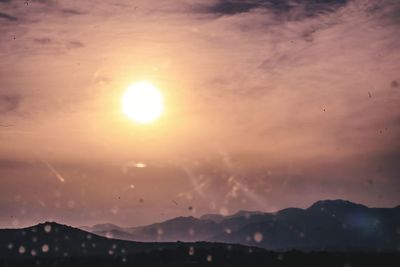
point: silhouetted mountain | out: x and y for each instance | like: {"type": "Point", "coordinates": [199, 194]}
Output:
{"type": "Point", "coordinates": [244, 213]}
{"type": "Point", "coordinates": [325, 225]}
{"type": "Point", "coordinates": [337, 205]}
{"type": "Point", "coordinates": [178, 229]}
{"type": "Point", "coordinates": [213, 217]}
{"type": "Point", "coordinates": [58, 241]}
{"type": "Point", "coordinates": [52, 239]}
{"type": "Point", "coordinates": [52, 244]}
{"type": "Point", "coordinates": [218, 218]}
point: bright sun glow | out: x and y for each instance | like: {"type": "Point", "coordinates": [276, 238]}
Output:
{"type": "Point", "coordinates": [142, 102]}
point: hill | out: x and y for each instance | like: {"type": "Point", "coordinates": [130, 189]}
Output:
{"type": "Point", "coordinates": [53, 244]}
{"type": "Point", "coordinates": [328, 225]}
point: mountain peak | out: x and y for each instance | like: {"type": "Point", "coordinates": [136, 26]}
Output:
{"type": "Point", "coordinates": [49, 226]}
{"type": "Point", "coordinates": [50, 223]}
{"type": "Point", "coordinates": [184, 218]}
{"type": "Point", "coordinates": [246, 213]}
{"type": "Point", "coordinates": [335, 204]}
{"type": "Point", "coordinates": [212, 217]}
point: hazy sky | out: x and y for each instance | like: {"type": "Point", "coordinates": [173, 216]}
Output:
{"type": "Point", "coordinates": [268, 104]}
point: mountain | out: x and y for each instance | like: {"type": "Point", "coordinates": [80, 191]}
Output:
{"type": "Point", "coordinates": [53, 244]}
{"type": "Point", "coordinates": [53, 239]}
{"type": "Point", "coordinates": [326, 225]}
{"type": "Point", "coordinates": [186, 229]}
{"type": "Point", "coordinates": [218, 218]}
{"type": "Point", "coordinates": [56, 240]}
{"type": "Point", "coordinates": [213, 217]}
{"type": "Point", "coordinates": [338, 205]}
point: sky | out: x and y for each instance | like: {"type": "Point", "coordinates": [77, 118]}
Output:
{"type": "Point", "coordinates": [267, 104]}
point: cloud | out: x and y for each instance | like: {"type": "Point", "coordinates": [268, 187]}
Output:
{"type": "Point", "coordinates": [43, 41]}
{"type": "Point", "coordinates": [9, 103]}
{"type": "Point", "coordinates": [70, 11]}
{"type": "Point", "coordinates": [231, 7]}
{"type": "Point", "coordinates": [58, 45]}
{"type": "Point", "coordinates": [7, 17]}
{"type": "Point", "coordinates": [288, 9]}
{"type": "Point", "coordinates": [75, 44]}
{"type": "Point", "coordinates": [32, 11]}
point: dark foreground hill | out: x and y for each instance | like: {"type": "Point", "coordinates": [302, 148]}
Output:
{"type": "Point", "coordinates": [52, 244]}
{"type": "Point", "coordinates": [330, 225]}
{"type": "Point", "coordinates": [51, 240]}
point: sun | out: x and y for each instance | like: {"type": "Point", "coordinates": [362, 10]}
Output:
{"type": "Point", "coordinates": [142, 103]}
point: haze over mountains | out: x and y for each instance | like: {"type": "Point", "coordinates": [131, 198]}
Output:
{"type": "Point", "coordinates": [53, 244]}
{"type": "Point", "coordinates": [329, 233]}
{"type": "Point", "coordinates": [333, 225]}
{"type": "Point", "coordinates": [56, 241]}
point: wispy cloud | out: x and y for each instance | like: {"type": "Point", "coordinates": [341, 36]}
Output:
{"type": "Point", "coordinates": [283, 9]}
{"type": "Point", "coordinates": [7, 17]}
{"type": "Point", "coordinates": [9, 103]}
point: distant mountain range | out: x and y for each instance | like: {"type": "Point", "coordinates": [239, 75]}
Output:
{"type": "Point", "coordinates": [339, 233]}
{"type": "Point", "coordinates": [51, 244]}
{"type": "Point", "coordinates": [332, 225]}
{"type": "Point", "coordinates": [53, 240]}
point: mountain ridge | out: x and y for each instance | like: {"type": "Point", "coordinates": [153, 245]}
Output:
{"type": "Point", "coordinates": [324, 225]}
{"type": "Point", "coordinates": [55, 244]}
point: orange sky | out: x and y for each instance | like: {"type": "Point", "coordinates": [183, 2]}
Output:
{"type": "Point", "coordinates": [267, 105]}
